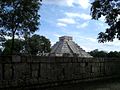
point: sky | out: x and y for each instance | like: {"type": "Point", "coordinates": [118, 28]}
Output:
{"type": "Point", "coordinates": [72, 18]}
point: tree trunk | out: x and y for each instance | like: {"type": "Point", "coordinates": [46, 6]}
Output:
{"type": "Point", "coordinates": [12, 45]}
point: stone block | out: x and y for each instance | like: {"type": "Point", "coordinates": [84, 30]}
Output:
{"type": "Point", "coordinates": [35, 67]}
{"type": "Point", "coordinates": [34, 74]}
{"type": "Point", "coordinates": [0, 83]}
{"type": "Point", "coordinates": [13, 83]}
{"type": "Point", "coordinates": [1, 72]}
{"type": "Point", "coordinates": [29, 58]}
{"type": "Point", "coordinates": [34, 81]}
{"type": "Point", "coordinates": [16, 58]}
{"type": "Point", "coordinates": [8, 71]}
{"type": "Point", "coordinates": [23, 59]}
{"type": "Point", "coordinates": [19, 70]}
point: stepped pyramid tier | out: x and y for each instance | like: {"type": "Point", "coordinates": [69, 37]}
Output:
{"type": "Point", "coordinates": [67, 47]}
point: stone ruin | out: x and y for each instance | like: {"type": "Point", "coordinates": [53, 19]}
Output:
{"type": "Point", "coordinates": [67, 47]}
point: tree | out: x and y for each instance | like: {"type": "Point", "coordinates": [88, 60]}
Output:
{"type": "Point", "coordinates": [2, 39]}
{"type": "Point", "coordinates": [114, 54]}
{"type": "Point", "coordinates": [18, 17]}
{"type": "Point", "coordinates": [0, 51]}
{"type": "Point", "coordinates": [17, 48]}
{"type": "Point", "coordinates": [111, 54]}
{"type": "Point", "coordinates": [111, 10]}
{"type": "Point", "coordinates": [97, 53]}
{"type": "Point", "coordinates": [37, 44]}
{"type": "Point", "coordinates": [32, 45]}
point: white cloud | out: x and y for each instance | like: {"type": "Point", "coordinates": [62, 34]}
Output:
{"type": "Point", "coordinates": [91, 39]}
{"type": "Point", "coordinates": [53, 2]}
{"type": "Point", "coordinates": [66, 21]}
{"type": "Point", "coordinates": [16, 37]}
{"type": "Point", "coordinates": [101, 26]}
{"type": "Point", "coordinates": [52, 43]}
{"type": "Point", "coordinates": [86, 48]}
{"type": "Point", "coordinates": [118, 18]}
{"type": "Point", "coordinates": [85, 16]}
{"type": "Point", "coordinates": [57, 35]}
{"type": "Point", "coordinates": [83, 25]}
{"type": "Point", "coordinates": [61, 24]}
{"type": "Point", "coordinates": [83, 3]}
{"type": "Point", "coordinates": [73, 15]}
{"type": "Point", "coordinates": [115, 43]}
{"type": "Point", "coordinates": [102, 18]}
{"type": "Point", "coordinates": [69, 2]}
{"type": "Point", "coordinates": [59, 2]}
{"type": "Point", "coordinates": [76, 15]}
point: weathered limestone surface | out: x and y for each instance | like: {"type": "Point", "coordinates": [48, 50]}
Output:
{"type": "Point", "coordinates": [38, 70]}
{"type": "Point", "coordinates": [67, 47]}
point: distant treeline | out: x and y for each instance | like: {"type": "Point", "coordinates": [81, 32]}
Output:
{"type": "Point", "coordinates": [97, 53]}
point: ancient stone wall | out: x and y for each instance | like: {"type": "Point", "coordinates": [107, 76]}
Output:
{"type": "Point", "coordinates": [30, 70]}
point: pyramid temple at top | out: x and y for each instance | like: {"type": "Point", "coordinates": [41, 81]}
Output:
{"type": "Point", "coordinates": [67, 47]}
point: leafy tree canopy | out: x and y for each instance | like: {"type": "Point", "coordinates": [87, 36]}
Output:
{"type": "Point", "coordinates": [32, 45]}
{"type": "Point", "coordinates": [97, 53]}
{"type": "Point", "coordinates": [18, 46]}
{"type": "Point", "coordinates": [18, 17]}
{"type": "Point", "coordinates": [111, 10]}
{"type": "Point", "coordinates": [102, 54]}
{"type": "Point", "coordinates": [39, 44]}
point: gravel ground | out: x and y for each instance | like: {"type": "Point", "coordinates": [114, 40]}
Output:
{"type": "Point", "coordinates": [97, 85]}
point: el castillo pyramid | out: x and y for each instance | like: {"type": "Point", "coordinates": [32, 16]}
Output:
{"type": "Point", "coordinates": [67, 47]}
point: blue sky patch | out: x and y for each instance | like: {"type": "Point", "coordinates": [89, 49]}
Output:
{"type": "Point", "coordinates": [72, 18]}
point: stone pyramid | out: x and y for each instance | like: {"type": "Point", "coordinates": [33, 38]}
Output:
{"type": "Point", "coordinates": [67, 47]}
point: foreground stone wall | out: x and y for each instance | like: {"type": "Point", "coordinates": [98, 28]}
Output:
{"type": "Point", "coordinates": [30, 70]}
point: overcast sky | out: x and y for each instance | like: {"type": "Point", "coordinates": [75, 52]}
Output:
{"type": "Point", "coordinates": [72, 18]}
